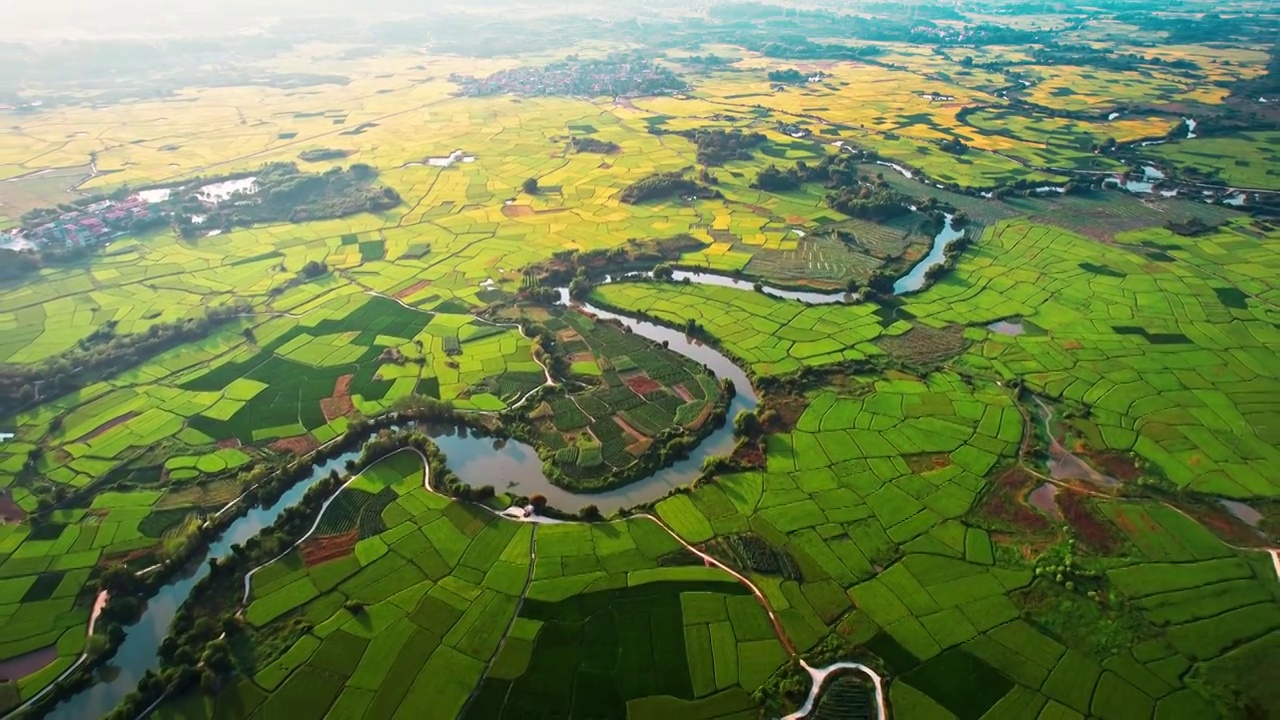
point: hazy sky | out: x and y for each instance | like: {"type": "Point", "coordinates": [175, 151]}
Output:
{"type": "Point", "coordinates": [44, 20]}
{"type": "Point", "coordinates": [52, 20]}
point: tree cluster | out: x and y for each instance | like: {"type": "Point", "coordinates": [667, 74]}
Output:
{"type": "Point", "coordinates": [790, 76]}
{"type": "Point", "coordinates": [285, 194]}
{"type": "Point", "coordinates": [717, 147]}
{"type": "Point", "coordinates": [664, 185]}
{"type": "Point", "coordinates": [321, 155]}
{"type": "Point", "coordinates": [107, 355]}
{"type": "Point", "coordinates": [592, 145]}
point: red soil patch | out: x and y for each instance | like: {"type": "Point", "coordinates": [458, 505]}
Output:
{"type": "Point", "coordinates": [637, 449]}
{"type": "Point", "coordinates": [517, 211]}
{"type": "Point", "coordinates": [1093, 533]}
{"type": "Point", "coordinates": [928, 461]}
{"type": "Point", "coordinates": [639, 436]}
{"type": "Point", "coordinates": [228, 443]}
{"type": "Point", "coordinates": [524, 211]}
{"type": "Point", "coordinates": [339, 403]}
{"type": "Point", "coordinates": [568, 335]}
{"type": "Point", "coordinates": [796, 220]}
{"type": "Point", "coordinates": [702, 417]}
{"type": "Point", "coordinates": [412, 289]}
{"type": "Point", "coordinates": [107, 426]}
{"type": "Point", "coordinates": [787, 410]}
{"type": "Point", "coordinates": [1003, 502]}
{"type": "Point", "coordinates": [1116, 465]}
{"type": "Point", "coordinates": [300, 445]}
{"type": "Point", "coordinates": [1072, 345]}
{"type": "Point", "coordinates": [683, 392]}
{"type": "Point", "coordinates": [125, 558]}
{"type": "Point", "coordinates": [328, 547]}
{"type": "Point", "coordinates": [642, 384]}
{"type": "Point", "coordinates": [749, 455]}
{"type": "Point", "coordinates": [9, 510]}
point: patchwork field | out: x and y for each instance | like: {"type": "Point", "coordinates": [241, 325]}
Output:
{"type": "Point", "coordinates": [1040, 487]}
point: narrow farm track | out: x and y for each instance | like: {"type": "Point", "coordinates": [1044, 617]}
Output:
{"type": "Point", "coordinates": [819, 675]}
{"type": "Point", "coordinates": [550, 380]}
{"type": "Point", "coordinates": [1067, 484]}
{"type": "Point", "coordinates": [533, 558]}
{"type": "Point", "coordinates": [99, 604]}
{"type": "Point", "coordinates": [315, 525]}
{"type": "Point", "coordinates": [711, 560]}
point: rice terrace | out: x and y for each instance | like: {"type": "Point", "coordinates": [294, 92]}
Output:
{"type": "Point", "coordinates": [846, 359]}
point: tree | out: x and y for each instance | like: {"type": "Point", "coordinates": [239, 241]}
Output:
{"type": "Point", "coordinates": [538, 503]}
{"type": "Point", "coordinates": [119, 581]}
{"type": "Point", "coordinates": [746, 425]}
{"type": "Point", "coordinates": [95, 645]}
{"type": "Point", "coordinates": [579, 287]}
{"type": "Point", "coordinates": [530, 186]}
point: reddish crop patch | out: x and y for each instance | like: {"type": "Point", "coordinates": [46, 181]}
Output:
{"type": "Point", "coordinates": [9, 510]}
{"type": "Point", "coordinates": [338, 404]}
{"type": "Point", "coordinates": [1114, 464]}
{"type": "Point", "coordinates": [1226, 526]}
{"type": "Point", "coordinates": [328, 547]}
{"type": "Point", "coordinates": [924, 344]}
{"type": "Point", "coordinates": [642, 384]}
{"type": "Point", "coordinates": [927, 461]}
{"type": "Point", "coordinates": [300, 445]}
{"type": "Point", "coordinates": [683, 392]}
{"type": "Point", "coordinates": [147, 555]}
{"type": "Point", "coordinates": [787, 410]}
{"type": "Point", "coordinates": [1092, 532]}
{"type": "Point", "coordinates": [16, 668]}
{"type": "Point", "coordinates": [107, 426]}
{"type": "Point", "coordinates": [228, 443]}
{"type": "Point", "coordinates": [412, 289]}
{"type": "Point", "coordinates": [639, 436]}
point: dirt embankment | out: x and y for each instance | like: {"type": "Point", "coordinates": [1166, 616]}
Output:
{"type": "Point", "coordinates": [104, 427]}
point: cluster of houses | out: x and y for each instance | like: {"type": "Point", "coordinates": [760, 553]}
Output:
{"type": "Point", "coordinates": [88, 225]}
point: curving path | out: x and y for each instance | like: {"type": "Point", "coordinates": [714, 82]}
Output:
{"type": "Point", "coordinates": [99, 604]}
{"type": "Point", "coordinates": [315, 525]}
{"type": "Point", "coordinates": [820, 676]}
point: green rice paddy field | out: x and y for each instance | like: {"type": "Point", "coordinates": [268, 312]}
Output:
{"type": "Point", "coordinates": [897, 506]}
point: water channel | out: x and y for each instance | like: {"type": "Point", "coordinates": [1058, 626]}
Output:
{"type": "Point", "coordinates": [137, 654]}
{"type": "Point", "coordinates": [476, 461]}
{"type": "Point", "coordinates": [915, 280]}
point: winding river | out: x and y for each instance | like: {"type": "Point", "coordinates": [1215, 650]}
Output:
{"type": "Point", "coordinates": [915, 280]}
{"type": "Point", "coordinates": [475, 460]}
